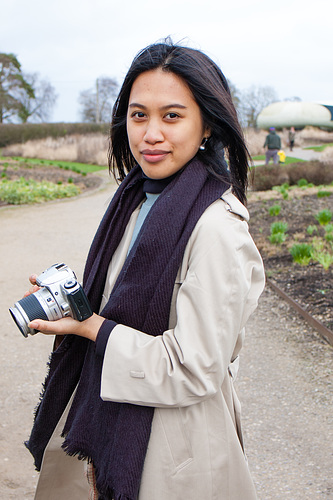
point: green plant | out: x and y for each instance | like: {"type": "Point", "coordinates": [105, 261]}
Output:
{"type": "Point", "coordinates": [302, 183]}
{"type": "Point", "coordinates": [324, 217]}
{"type": "Point", "coordinates": [311, 229]}
{"type": "Point", "coordinates": [29, 191]}
{"type": "Point", "coordinates": [279, 227]}
{"type": "Point", "coordinates": [278, 230]}
{"type": "Point", "coordinates": [283, 190]}
{"type": "Point", "coordinates": [318, 244]}
{"type": "Point", "coordinates": [329, 232]}
{"type": "Point", "coordinates": [325, 259]}
{"type": "Point", "coordinates": [322, 193]}
{"type": "Point", "coordinates": [274, 210]}
{"type": "Point", "coordinates": [277, 238]}
{"type": "Point", "coordinates": [301, 253]}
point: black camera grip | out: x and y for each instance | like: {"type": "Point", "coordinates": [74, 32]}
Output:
{"type": "Point", "coordinates": [79, 305]}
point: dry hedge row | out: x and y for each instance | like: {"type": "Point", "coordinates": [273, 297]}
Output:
{"type": "Point", "coordinates": [264, 177]}
{"type": "Point", "coordinates": [11, 133]}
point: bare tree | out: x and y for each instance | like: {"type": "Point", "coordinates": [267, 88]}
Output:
{"type": "Point", "coordinates": [234, 94]}
{"type": "Point", "coordinates": [254, 100]}
{"type": "Point", "coordinates": [293, 99]}
{"type": "Point", "coordinates": [39, 107]}
{"type": "Point", "coordinates": [96, 104]}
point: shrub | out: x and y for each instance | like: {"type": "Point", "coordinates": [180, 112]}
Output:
{"type": "Point", "coordinates": [265, 177]}
{"type": "Point", "coordinates": [301, 253]}
{"type": "Point", "coordinates": [323, 193]}
{"type": "Point", "coordinates": [302, 183]}
{"type": "Point", "coordinates": [311, 229]}
{"type": "Point", "coordinates": [279, 227]}
{"type": "Point", "coordinates": [19, 133]}
{"type": "Point", "coordinates": [324, 217]}
{"type": "Point", "coordinates": [277, 238]}
{"type": "Point", "coordinates": [274, 210]}
{"type": "Point", "coordinates": [278, 230]}
{"type": "Point", "coordinates": [325, 259]}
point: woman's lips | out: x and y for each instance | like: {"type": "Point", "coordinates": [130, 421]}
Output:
{"type": "Point", "coordinates": [154, 156]}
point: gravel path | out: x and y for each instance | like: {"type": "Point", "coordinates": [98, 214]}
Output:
{"type": "Point", "coordinates": [285, 381]}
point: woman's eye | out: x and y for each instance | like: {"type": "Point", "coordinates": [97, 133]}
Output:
{"type": "Point", "coordinates": [172, 116]}
{"type": "Point", "coordinates": [138, 114]}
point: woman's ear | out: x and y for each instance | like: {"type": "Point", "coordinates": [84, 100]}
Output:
{"type": "Point", "coordinates": [207, 133]}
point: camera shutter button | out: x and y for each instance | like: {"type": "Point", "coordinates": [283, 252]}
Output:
{"type": "Point", "coordinates": [70, 284]}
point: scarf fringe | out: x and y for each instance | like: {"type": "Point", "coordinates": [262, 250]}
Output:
{"type": "Point", "coordinates": [79, 454]}
{"type": "Point", "coordinates": [107, 493]}
{"type": "Point", "coordinates": [114, 495]}
{"type": "Point", "coordinates": [120, 496]}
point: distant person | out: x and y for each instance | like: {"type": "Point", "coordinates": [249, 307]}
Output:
{"type": "Point", "coordinates": [291, 138]}
{"type": "Point", "coordinates": [273, 144]}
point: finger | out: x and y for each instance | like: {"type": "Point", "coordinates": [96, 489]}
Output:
{"type": "Point", "coordinates": [33, 289]}
{"type": "Point", "coordinates": [59, 327]}
{"type": "Point", "coordinates": [41, 326]}
{"type": "Point", "coordinates": [33, 279]}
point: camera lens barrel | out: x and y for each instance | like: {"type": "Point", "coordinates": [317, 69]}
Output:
{"type": "Point", "coordinates": [24, 311]}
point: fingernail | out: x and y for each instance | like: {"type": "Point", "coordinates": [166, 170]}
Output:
{"type": "Point", "coordinates": [33, 324]}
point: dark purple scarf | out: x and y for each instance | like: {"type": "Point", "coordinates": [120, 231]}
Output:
{"type": "Point", "coordinates": [115, 435]}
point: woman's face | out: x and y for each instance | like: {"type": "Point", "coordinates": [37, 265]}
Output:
{"type": "Point", "coordinates": [164, 123]}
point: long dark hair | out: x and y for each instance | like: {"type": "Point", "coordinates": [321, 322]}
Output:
{"type": "Point", "coordinates": [211, 92]}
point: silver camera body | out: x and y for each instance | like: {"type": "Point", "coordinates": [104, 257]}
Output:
{"type": "Point", "coordinates": [60, 295]}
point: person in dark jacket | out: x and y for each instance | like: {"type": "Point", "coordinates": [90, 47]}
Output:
{"type": "Point", "coordinates": [273, 144]}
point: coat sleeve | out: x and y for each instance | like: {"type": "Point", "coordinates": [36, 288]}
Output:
{"type": "Point", "coordinates": [187, 364]}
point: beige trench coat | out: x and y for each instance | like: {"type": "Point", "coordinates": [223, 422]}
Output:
{"type": "Point", "coordinates": [195, 450]}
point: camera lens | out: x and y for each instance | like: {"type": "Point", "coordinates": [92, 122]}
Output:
{"type": "Point", "coordinates": [26, 310]}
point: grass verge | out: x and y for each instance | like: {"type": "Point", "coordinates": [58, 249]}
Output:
{"type": "Point", "coordinates": [82, 168]}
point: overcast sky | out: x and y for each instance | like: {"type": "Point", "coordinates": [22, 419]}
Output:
{"type": "Point", "coordinates": [284, 44]}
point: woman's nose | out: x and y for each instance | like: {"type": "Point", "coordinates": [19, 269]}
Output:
{"type": "Point", "coordinates": [153, 133]}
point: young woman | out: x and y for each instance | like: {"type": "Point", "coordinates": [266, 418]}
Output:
{"type": "Point", "coordinates": [143, 389]}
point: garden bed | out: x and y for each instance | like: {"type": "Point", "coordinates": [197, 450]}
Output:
{"type": "Point", "coordinates": [311, 285]}
{"type": "Point", "coordinates": [11, 170]}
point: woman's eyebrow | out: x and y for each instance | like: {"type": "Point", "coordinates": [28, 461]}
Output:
{"type": "Point", "coordinates": [167, 106]}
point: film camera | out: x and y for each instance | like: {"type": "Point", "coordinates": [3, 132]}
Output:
{"type": "Point", "coordinates": [60, 295]}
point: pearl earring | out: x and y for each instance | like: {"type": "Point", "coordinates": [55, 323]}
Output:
{"type": "Point", "coordinates": [202, 147]}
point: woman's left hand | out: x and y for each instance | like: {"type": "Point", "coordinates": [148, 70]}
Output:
{"type": "Point", "coordinates": [88, 328]}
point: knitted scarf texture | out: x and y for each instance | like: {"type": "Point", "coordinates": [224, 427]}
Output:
{"type": "Point", "coordinates": [114, 436]}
